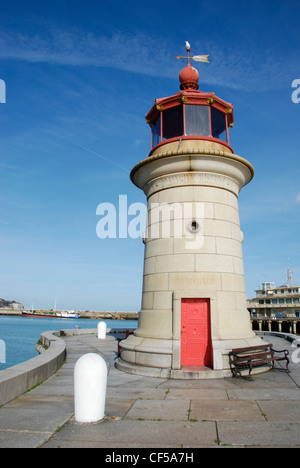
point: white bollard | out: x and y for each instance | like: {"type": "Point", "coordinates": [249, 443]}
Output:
{"type": "Point", "coordinates": [90, 379]}
{"type": "Point", "coordinates": [101, 330]}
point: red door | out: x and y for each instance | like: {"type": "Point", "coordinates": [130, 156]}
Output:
{"type": "Point", "coordinates": [196, 346]}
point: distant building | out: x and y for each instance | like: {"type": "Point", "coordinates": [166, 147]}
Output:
{"type": "Point", "coordinates": [10, 305]}
{"type": "Point", "coordinates": [276, 302]}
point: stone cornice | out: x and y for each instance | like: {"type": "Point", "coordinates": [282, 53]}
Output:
{"type": "Point", "coordinates": [192, 152]}
{"type": "Point", "coordinates": [192, 166]}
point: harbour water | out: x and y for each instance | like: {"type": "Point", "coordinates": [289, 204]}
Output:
{"type": "Point", "coordinates": [19, 335]}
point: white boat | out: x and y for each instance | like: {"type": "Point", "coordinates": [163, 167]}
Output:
{"type": "Point", "coordinates": [67, 314]}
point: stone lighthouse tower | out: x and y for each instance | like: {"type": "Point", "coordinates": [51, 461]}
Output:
{"type": "Point", "coordinates": [193, 302]}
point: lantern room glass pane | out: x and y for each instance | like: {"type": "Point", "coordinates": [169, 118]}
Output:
{"type": "Point", "coordinates": [172, 122]}
{"type": "Point", "coordinates": [218, 124]}
{"type": "Point", "coordinates": [156, 132]}
{"type": "Point", "coordinates": [197, 120]}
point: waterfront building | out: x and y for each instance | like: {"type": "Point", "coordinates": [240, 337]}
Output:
{"type": "Point", "coordinates": [193, 301]}
{"type": "Point", "coordinates": [276, 308]}
{"type": "Point", "coordinates": [276, 302]}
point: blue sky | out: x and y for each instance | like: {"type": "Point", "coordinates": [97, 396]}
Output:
{"type": "Point", "coordinates": [80, 77]}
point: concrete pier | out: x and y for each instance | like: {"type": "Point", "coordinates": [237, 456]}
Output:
{"type": "Point", "coordinates": [146, 412]}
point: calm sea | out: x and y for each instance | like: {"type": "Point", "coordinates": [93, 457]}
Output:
{"type": "Point", "coordinates": [18, 335]}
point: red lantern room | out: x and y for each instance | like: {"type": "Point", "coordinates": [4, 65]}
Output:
{"type": "Point", "coordinates": [190, 114]}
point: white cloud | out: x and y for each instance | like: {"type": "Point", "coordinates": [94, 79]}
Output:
{"type": "Point", "coordinates": [152, 56]}
{"type": "Point", "coordinates": [132, 53]}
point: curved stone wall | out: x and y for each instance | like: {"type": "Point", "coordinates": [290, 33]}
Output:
{"type": "Point", "coordinates": [18, 379]}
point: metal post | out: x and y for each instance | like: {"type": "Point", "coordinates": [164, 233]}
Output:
{"type": "Point", "coordinates": [101, 330]}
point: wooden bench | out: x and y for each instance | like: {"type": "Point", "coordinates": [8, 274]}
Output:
{"type": "Point", "coordinates": [243, 359]}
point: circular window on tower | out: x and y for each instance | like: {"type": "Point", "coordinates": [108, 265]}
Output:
{"type": "Point", "coordinates": [193, 226]}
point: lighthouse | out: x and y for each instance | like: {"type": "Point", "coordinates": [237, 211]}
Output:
{"type": "Point", "coordinates": [194, 308]}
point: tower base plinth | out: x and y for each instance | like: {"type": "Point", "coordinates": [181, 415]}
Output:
{"type": "Point", "coordinates": [157, 358]}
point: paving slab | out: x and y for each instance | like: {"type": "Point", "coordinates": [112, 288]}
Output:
{"type": "Point", "coordinates": [199, 384]}
{"type": "Point", "coordinates": [118, 407]}
{"type": "Point", "coordinates": [287, 410]}
{"type": "Point", "coordinates": [259, 434]}
{"type": "Point", "coordinates": [57, 385]}
{"type": "Point", "coordinates": [196, 394]}
{"type": "Point", "coordinates": [159, 409]}
{"type": "Point", "coordinates": [23, 439]}
{"type": "Point", "coordinates": [36, 413]}
{"type": "Point", "coordinates": [138, 433]}
{"type": "Point", "coordinates": [132, 381]}
{"type": "Point", "coordinates": [226, 411]}
{"type": "Point", "coordinates": [265, 394]}
{"type": "Point", "coordinates": [137, 393]}
{"type": "Point", "coordinates": [271, 379]}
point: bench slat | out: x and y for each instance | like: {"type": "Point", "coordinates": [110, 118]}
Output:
{"type": "Point", "coordinates": [252, 348]}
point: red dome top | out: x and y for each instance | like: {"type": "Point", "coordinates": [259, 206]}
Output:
{"type": "Point", "coordinates": [189, 77]}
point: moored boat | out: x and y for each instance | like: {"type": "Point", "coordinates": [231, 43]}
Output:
{"type": "Point", "coordinates": [67, 314]}
{"type": "Point", "coordinates": [51, 314]}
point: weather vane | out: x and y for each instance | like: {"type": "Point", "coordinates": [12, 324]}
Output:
{"type": "Point", "coordinates": [197, 58]}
